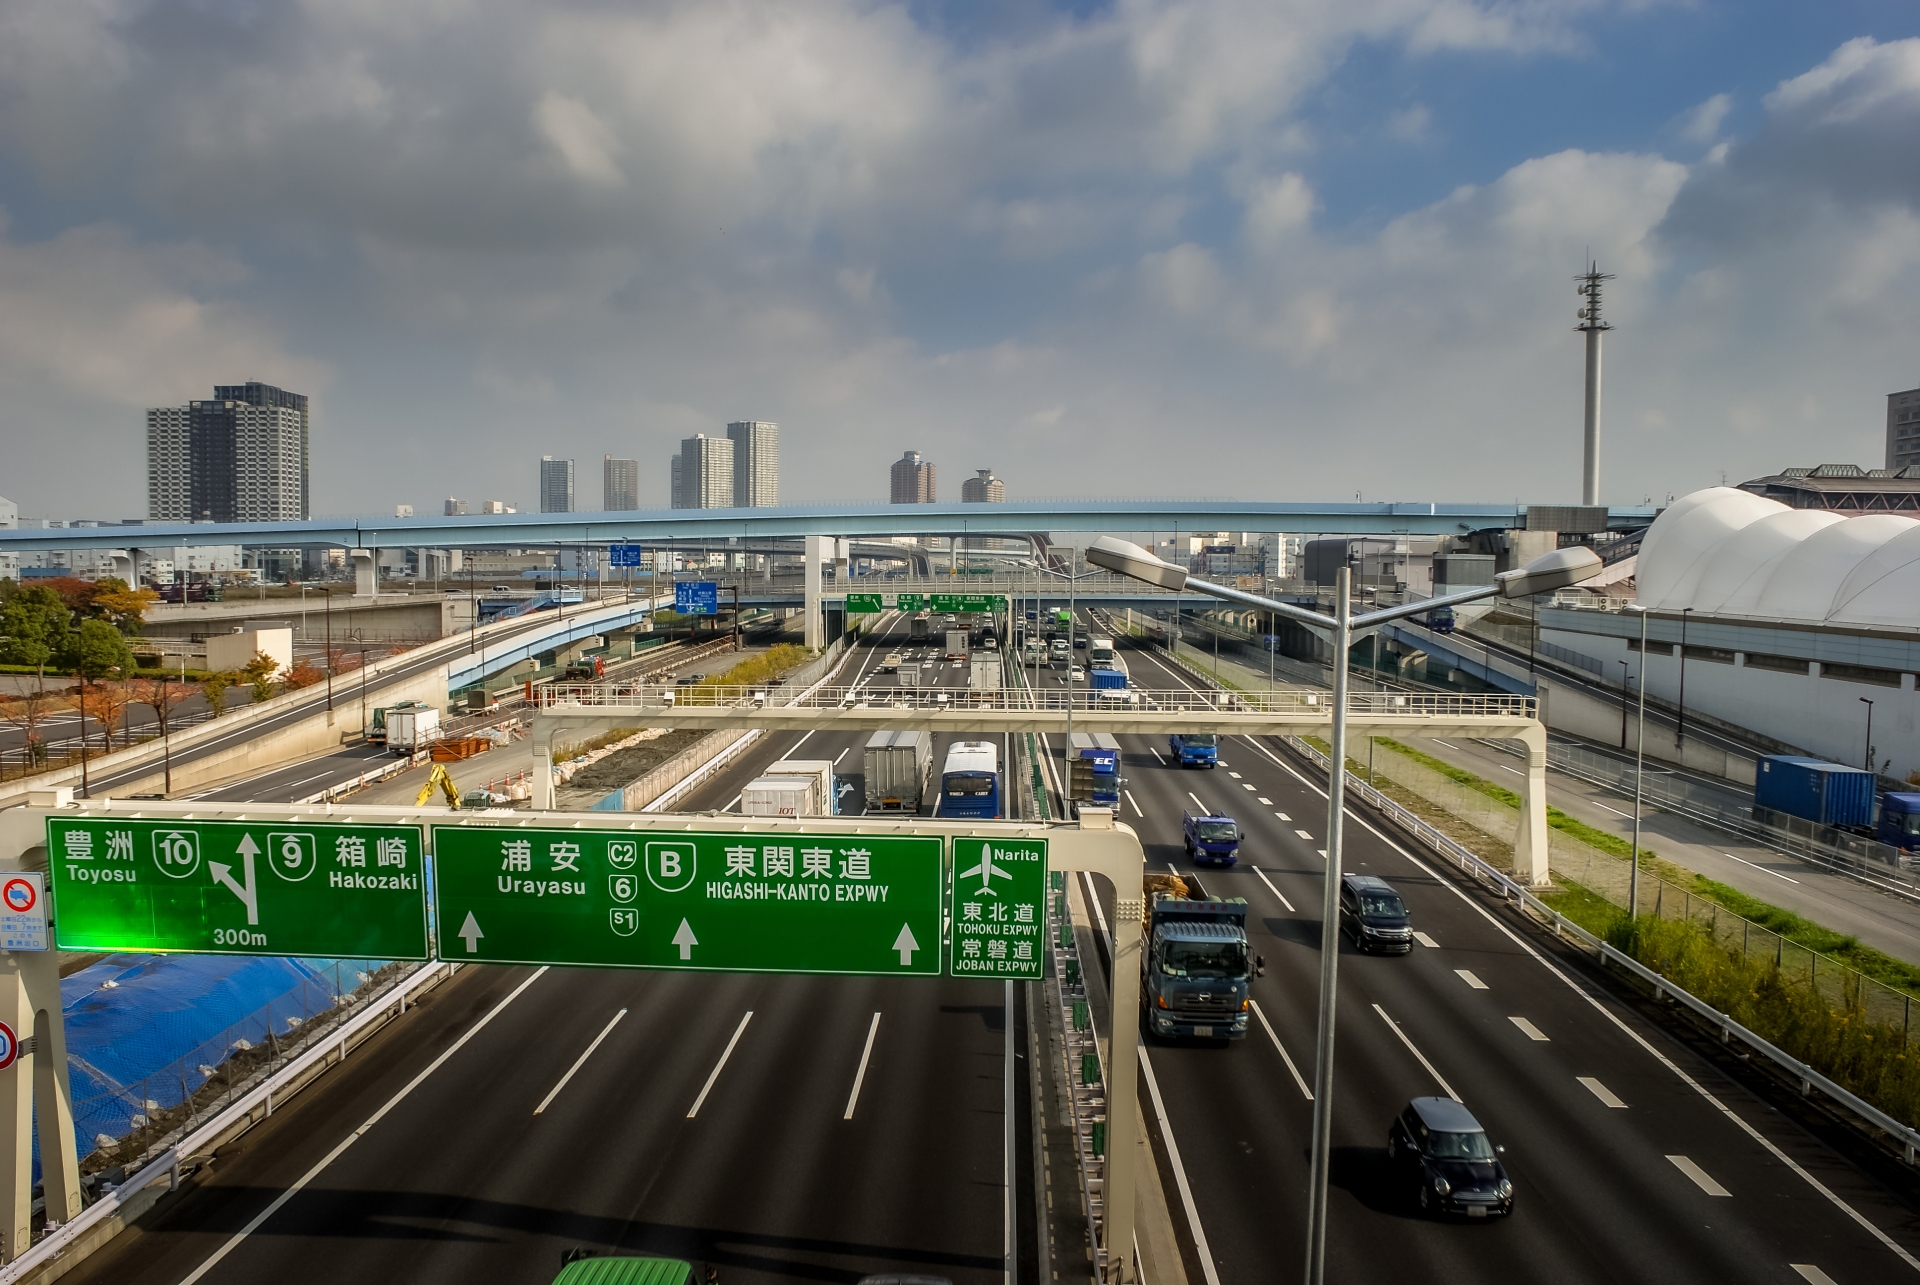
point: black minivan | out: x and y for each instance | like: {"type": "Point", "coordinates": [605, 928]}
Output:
{"type": "Point", "coordinates": [1439, 1148]}
{"type": "Point", "coordinates": [1372, 913]}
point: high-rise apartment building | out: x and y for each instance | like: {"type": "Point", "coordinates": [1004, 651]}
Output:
{"type": "Point", "coordinates": [241, 456]}
{"type": "Point", "coordinates": [703, 473]}
{"type": "Point", "coordinates": [756, 464]}
{"type": "Point", "coordinates": [456, 508]}
{"type": "Point", "coordinates": [983, 489]}
{"type": "Point", "coordinates": [556, 485]}
{"type": "Point", "coordinates": [912, 480]}
{"type": "Point", "coordinates": [619, 484]}
{"type": "Point", "coordinates": [1903, 428]}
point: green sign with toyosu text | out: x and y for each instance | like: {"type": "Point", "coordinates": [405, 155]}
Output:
{"type": "Point", "coordinates": [958, 602]}
{"type": "Point", "coordinates": [999, 894]}
{"type": "Point", "coordinates": [787, 903]}
{"type": "Point", "coordinates": [864, 604]}
{"type": "Point", "coordinates": [238, 887]}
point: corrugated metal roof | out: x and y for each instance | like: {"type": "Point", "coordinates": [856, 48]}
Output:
{"type": "Point", "coordinates": [626, 1271]}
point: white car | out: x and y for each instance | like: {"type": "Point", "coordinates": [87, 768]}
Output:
{"type": "Point", "coordinates": [891, 664]}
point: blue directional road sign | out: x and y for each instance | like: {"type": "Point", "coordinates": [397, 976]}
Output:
{"type": "Point", "coordinates": [696, 598]}
{"type": "Point", "coordinates": [623, 555]}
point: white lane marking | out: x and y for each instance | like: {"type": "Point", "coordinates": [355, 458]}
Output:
{"type": "Point", "coordinates": [1156, 754]}
{"type": "Point", "coordinates": [1449, 744]}
{"type": "Point", "coordinates": [707, 1088]}
{"type": "Point", "coordinates": [1767, 1144]}
{"type": "Point", "coordinates": [1762, 869]}
{"type": "Point", "coordinates": [1394, 1026]}
{"type": "Point", "coordinates": [1298, 1079]}
{"type": "Point", "coordinates": [1275, 891]}
{"type": "Point", "coordinates": [1529, 1030]}
{"type": "Point", "coordinates": [842, 754]}
{"type": "Point", "coordinates": [1174, 868]}
{"type": "Point", "coordinates": [1283, 816]}
{"type": "Point", "coordinates": [1304, 835]}
{"type": "Point", "coordinates": [1466, 975]}
{"type": "Point", "coordinates": [579, 1062]}
{"type": "Point", "coordinates": [1516, 771]}
{"type": "Point", "coordinates": [796, 745]}
{"type": "Point", "coordinates": [1245, 786]}
{"type": "Point", "coordinates": [234, 1241]}
{"type": "Point", "coordinates": [1266, 803]}
{"type": "Point", "coordinates": [1201, 1249]}
{"type": "Point", "coordinates": [1701, 1178]}
{"type": "Point", "coordinates": [1234, 775]}
{"type": "Point", "coordinates": [860, 1076]}
{"type": "Point", "coordinates": [1196, 801]}
{"type": "Point", "coordinates": [1323, 854]}
{"type": "Point", "coordinates": [1811, 1274]}
{"type": "Point", "coordinates": [1425, 940]}
{"type": "Point", "coordinates": [1606, 1095]}
{"type": "Point", "coordinates": [730, 802]}
{"type": "Point", "coordinates": [1616, 811]}
{"type": "Point", "coordinates": [1136, 807]}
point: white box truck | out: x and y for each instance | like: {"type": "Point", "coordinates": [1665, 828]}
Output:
{"type": "Point", "coordinates": [956, 644]}
{"type": "Point", "coordinates": [897, 766]}
{"type": "Point", "coordinates": [781, 796]}
{"type": "Point", "coordinates": [820, 771]}
{"type": "Point", "coordinates": [985, 674]}
{"type": "Point", "coordinates": [413, 727]}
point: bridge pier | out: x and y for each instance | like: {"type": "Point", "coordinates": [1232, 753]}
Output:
{"type": "Point", "coordinates": [30, 1006]}
{"type": "Point", "coordinates": [819, 547]}
{"type": "Point", "coordinates": [366, 573]}
{"type": "Point", "coordinates": [1530, 852]}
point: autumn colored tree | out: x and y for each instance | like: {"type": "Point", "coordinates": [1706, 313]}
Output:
{"type": "Point", "coordinates": [162, 696]}
{"type": "Point", "coordinates": [107, 701]}
{"type": "Point", "coordinates": [259, 674]}
{"type": "Point", "coordinates": [304, 674]}
{"type": "Point", "coordinates": [215, 689]}
{"type": "Point", "coordinates": [29, 713]}
{"type": "Point", "coordinates": [77, 594]}
{"type": "Point", "coordinates": [121, 605]}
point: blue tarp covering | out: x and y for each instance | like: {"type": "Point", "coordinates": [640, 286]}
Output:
{"type": "Point", "coordinates": [143, 1031]}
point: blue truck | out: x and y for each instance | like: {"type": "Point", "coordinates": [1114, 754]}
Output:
{"type": "Point", "coordinates": [1833, 794]}
{"type": "Point", "coordinates": [1208, 838]}
{"type": "Point", "coordinates": [1194, 749]}
{"type": "Point", "coordinates": [1196, 969]}
{"type": "Point", "coordinates": [1108, 684]}
{"type": "Point", "coordinates": [1093, 769]}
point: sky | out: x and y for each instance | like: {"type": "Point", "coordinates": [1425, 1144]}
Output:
{"type": "Point", "coordinates": [1240, 249]}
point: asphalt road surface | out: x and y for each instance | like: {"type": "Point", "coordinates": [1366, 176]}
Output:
{"type": "Point", "coordinates": [1633, 1159]}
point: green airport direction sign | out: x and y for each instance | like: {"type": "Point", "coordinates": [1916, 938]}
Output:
{"type": "Point", "coordinates": [864, 604]}
{"type": "Point", "coordinates": [998, 908]}
{"type": "Point", "coordinates": [786, 903]}
{"type": "Point", "coordinates": [269, 887]}
{"type": "Point", "coordinates": [957, 602]}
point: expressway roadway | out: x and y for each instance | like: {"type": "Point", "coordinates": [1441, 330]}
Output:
{"type": "Point", "coordinates": [775, 1127]}
{"type": "Point", "coordinates": [1633, 1158]}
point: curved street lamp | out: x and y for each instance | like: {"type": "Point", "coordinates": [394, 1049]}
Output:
{"type": "Point", "coordinates": [1544, 574]}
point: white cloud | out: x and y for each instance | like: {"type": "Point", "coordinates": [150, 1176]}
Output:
{"type": "Point", "coordinates": [1411, 124]}
{"type": "Point", "coordinates": [582, 138]}
{"type": "Point", "coordinates": [1702, 124]}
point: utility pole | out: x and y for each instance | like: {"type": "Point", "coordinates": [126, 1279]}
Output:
{"type": "Point", "coordinates": [1588, 288]}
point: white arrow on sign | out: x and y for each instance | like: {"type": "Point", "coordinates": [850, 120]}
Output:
{"type": "Point", "coordinates": [685, 940]}
{"type": "Point", "coordinates": [470, 933]}
{"type": "Point", "coordinates": [249, 895]}
{"type": "Point", "coordinates": [905, 944]}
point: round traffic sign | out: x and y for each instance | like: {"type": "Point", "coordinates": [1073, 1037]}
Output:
{"type": "Point", "coordinates": [19, 896]}
{"type": "Point", "coordinates": [9, 1046]}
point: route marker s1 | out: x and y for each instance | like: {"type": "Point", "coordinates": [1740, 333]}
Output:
{"type": "Point", "coordinates": [999, 895]}
{"type": "Point", "coordinates": [775, 902]}
{"type": "Point", "coordinates": [238, 887]}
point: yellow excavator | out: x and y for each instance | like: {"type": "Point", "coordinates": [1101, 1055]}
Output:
{"type": "Point", "coordinates": [439, 777]}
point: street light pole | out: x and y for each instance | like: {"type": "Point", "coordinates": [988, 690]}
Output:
{"type": "Point", "coordinates": [1680, 729]}
{"type": "Point", "coordinates": [329, 592]}
{"type": "Point", "coordinates": [1639, 765]}
{"type": "Point", "coordinates": [1551, 571]}
{"type": "Point", "coordinates": [1869, 705]}
{"type": "Point", "coordinates": [1623, 704]}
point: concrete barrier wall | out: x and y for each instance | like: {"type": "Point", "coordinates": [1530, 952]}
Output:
{"type": "Point", "coordinates": [1580, 713]}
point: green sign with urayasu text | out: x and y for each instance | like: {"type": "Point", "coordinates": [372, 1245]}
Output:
{"type": "Point", "coordinates": [238, 887]}
{"type": "Point", "coordinates": [788, 903]}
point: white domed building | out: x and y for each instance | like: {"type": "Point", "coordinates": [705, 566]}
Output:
{"type": "Point", "coordinates": [1793, 619]}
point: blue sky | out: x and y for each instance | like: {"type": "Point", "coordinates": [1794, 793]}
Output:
{"type": "Point", "coordinates": [1287, 249]}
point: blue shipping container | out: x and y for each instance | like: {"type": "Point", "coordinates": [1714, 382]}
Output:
{"type": "Point", "coordinates": [1824, 792]}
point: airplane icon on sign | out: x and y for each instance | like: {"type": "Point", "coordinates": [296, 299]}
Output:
{"type": "Point", "coordinates": [987, 870]}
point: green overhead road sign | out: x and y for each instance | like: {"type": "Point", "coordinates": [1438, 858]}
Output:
{"type": "Point", "coordinates": [238, 888]}
{"type": "Point", "coordinates": [999, 891]}
{"type": "Point", "coordinates": [910, 601]}
{"type": "Point", "coordinates": [958, 602]}
{"type": "Point", "coordinates": [776, 902]}
{"type": "Point", "coordinates": [864, 604]}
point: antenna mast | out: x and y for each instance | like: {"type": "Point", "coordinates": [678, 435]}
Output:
{"type": "Point", "coordinates": [1588, 288]}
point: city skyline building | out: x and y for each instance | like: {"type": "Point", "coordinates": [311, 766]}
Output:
{"type": "Point", "coordinates": [243, 455]}
{"type": "Point", "coordinates": [619, 484]}
{"type": "Point", "coordinates": [984, 488]}
{"type": "Point", "coordinates": [703, 473]}
{"type": "Point", "coordinates": [456, 508]}
{"type": "Point", "coordinates": [556, 485]}
{"type": "Point", "coordinates": [756, 463]}
{"type": "Point", "coordinates": [913, 480]}
{"type": "Point", "coordinates": [1903, 428]}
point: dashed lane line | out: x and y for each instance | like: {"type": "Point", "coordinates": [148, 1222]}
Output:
{"type": "Point", "coordinates": [1438, 1078]}
{"type": "Point", "coordinates": [1425, 940]}
{"type": "Point", "coordinates": [1606, 1095]}
{"type": "Point", "coordinates": [1762, 869]}
{"type": "Point", "coordinates": [1305, 835]}
{"type": "Point", "coordinates": [719, 1066]}
{"type": "Point", "coordinates": [579, 1062]}
{"type": "Point", "coordinates": [1529, 1030]}
{"type": "Point", "coordinates": [859, 1076]}
{"type": "Point", "coordinates": [1281, 1049]}
{"type": "Point", "coordinates": [1136, 807]}
{"type": "Point", "coordinates": [1275, 891]}
{"type": "Point", "coordinates": [1701, 1178]}
{"type": "Point", "coordinates": [1466, 975]}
